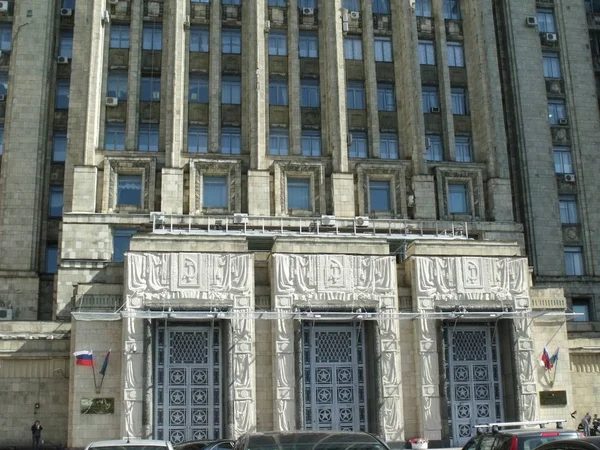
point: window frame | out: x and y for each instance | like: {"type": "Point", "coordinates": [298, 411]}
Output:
{"type": "Point", "coordinates": [557, 111]}
{"type": "Point", "coordinates": [313, 138]}
{"type": "Point", "coordinates": [582, 305]}
{"type": "Point", "coordinates": [198, 85]}
{"type": "Point", "coordinates": [223, 182]}
{"type": "Point", "coordinates": [148, 137]}
{"type": "Point", "coordinates": [423, 8]}
{"type": "Point", "coordinates": [279, 136]}
{"type": "Point", "coordinates": [381, 7]}
{"type": "Point", "coordinates": [574, 262]}
{"type": "Point", "coordinates": [231, 86]}
{"type": "Point", "coordinates": [199, 39]}
{"type": "Point", "coordinates": [201, 135]}
{"type": "Point", "coordinates": [452, 10]}
{"type": "Point", "coordinates": [376, 186]}
{"type": "Point", "coordinates": [546, 20]}
{"type": "Point", "coordinates": [460, 105]}
{"type": "Point", "coordinates": [65, 43]}
{"type": "Point", "coordinates": [56, 201]}
{"type": "Point", "coordinates": [115, 80]}
{"type": "Point", "coordinates": [149, 87]}
{"type": "Point", "coordinates": [120, 35]}
{"type": "Point", "coordinates": [551, 65]}
{"type": "Point", "coordinates": [355, 91]}
{"type": "Point", "coordinates": [310, 90]}
{"type": "Point", "coordinates": [426, 52]}
{"type": "Point", "coordinates": [6, 37]}
{"type": "Point", "coordinates": [359, 146]}
{"type": "Point", "coordinates": [456, 54]}
{"type": "Point", "coordinates": [459, 188]}
{"type": "Point", "coordinates": [231, 41]}
{"type": "Point", "coordinates": [63, 91]}
{"type": "Point", "coordinates": [152, 35]}
{"type": "Point", "coordinates": [382, 46]}
{"type": "Point", "coordinates": [568, 211]}
{"type": "Point", "coordinates": [353, 48]}
{"type": "Point", "coordinates": [429, 98]}
{"type": "Point", "coordinates": [127, 234]}
{"type": "Point", "coordinates": [232, 134]}
{"type": "Point", "coordinates": [277, 43]}
{"type": "Point", "coordinates": [559, 151]}
{"type": "Point", "coordinates": [117, 130]}
{"type": "Point", "coordinates": [129, 178]}
{"type": "Point", "coordinates": [308, 45]}
{"type": "Point", "coordinates": [57, 136]}
{"type": "Point", "coordinates": [51, 255]}
{"type": "Point", "coordinates": [434, 153]}
{"type": "Point", "coordinates": [465, 145]}
{"type": "Point", "coordinates": [387, 140]}
{"type": "Point", "coordinates": [386, 97]}
{"type": "Point", "coordinates": [278, 92]}
{"type": "Point", "coordinates": [306, 184]}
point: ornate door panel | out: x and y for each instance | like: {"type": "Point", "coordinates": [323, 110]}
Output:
{"type": "Point", "coordinates": [187, 397]}
{"type": "Point", "coordinates": [334, 381]}
{"type": "Point", "coordinates": [473, 372]}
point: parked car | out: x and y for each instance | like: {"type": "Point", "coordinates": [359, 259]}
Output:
{"type": "Point", "coordinates": [217, 444]}
{"type": "Point", "coordinates": [588, 443]}
{"type": "Point", "coordinates": [310, 440]}
{"type": "Point", "coordinates": [130, 444]}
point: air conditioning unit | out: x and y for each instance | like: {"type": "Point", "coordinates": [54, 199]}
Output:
{"type": "Point", "coordinates": [328, 221]}
{"type": "Point", "coordinates": [349, 139]}
{"type": "Point", "coordinates": [308, 11]}
{"type": "Point", "coordinates": [355, 15]}
{"type": "Point", "coordinates": [361, 221]}
{"type": "Point", "coordinates": [563, 121]}
{"type": "Point", "coordinates": [6, 313]}
{"type": "Point", "coordinates": [531, 21]}
{"type": "Point", "coordinates": [113, 2]}
{"type": "Point", "coordinates": [240, 218]}
{"type": "Point", "coordinates": [569, 177]}
{"type": "Point", "coordinates": [63, 60]}
{"type": "Point", "coordinates": [66, 12]}
{"type": "Point", "coordinates": [551, 37]}
{"type": "Point", "coordinates": [186, 22]}
{"type": "Point", "coordinates": [434, 110]}
{"type": "Point", "coordinates": [3, 7]}
{"type": "Point", "coordinates": [112, 101]}
{"type": "Point", "coordinates": [267, 26]}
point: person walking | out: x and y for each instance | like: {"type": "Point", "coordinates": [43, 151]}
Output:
{"type": "Point", "coordinates": [36, 434]}
{"type": "Point", "coordinates": [585, 422]}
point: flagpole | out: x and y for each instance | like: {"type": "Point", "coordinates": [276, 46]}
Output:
{"type": "Point", "coordinates": [103, 369]}
{"type": "Point", "coordinates": [94, 373]}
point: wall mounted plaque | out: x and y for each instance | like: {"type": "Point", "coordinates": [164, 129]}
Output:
{"type": "Point", "coordinates": [553, 398]}
{"type": "Point", "coordinates": [97, 405]}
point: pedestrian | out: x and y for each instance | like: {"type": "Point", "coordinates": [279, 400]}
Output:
{"type": "Point", "coordinates": [36, 434]}
{"type": "Point", "coordinates": [585, 422]}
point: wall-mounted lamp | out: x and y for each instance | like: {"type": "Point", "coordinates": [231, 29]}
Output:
{"type": "Point", "coordinates": [36, 406]}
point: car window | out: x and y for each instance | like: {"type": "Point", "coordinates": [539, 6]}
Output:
{"type": "Point", "coordinates": [472, 444]}
{"type": "Point", "coordinates": [224, 446]}
{"type": "Point", "coordinates": [536, 441]}
{"type": "Point", "coordinates": [487, 442]}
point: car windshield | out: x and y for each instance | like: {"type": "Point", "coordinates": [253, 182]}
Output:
{"type": "Point", "coordinates": [315, 442]}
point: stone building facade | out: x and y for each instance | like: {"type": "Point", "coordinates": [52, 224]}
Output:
{"type": "Point", "coordinates": [293, 214]}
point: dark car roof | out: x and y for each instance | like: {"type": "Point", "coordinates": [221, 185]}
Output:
{"type": "Point", "coordinates": [533, 431]}
{"type": "Point", "coordinates": [201, 444]}
{"type": "Point", "coordinates": [590, 443]}
{"type": "Point", "coordinates": [321, 438]}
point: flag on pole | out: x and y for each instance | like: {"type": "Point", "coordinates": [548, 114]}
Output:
{"type": "Point", "coordinates": [554, 358]}
{"type": "Point", "coordinates": [84, 358]}
{"type": "Point", "coordinates": [546, 359]}
{"type": "Point", "coordinates": [105, 364]}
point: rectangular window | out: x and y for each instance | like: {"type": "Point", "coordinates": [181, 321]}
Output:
{"type": "Point", "coordinates": [386, 100]}
{"type": "Point", "coordinates": [310, 96]}
{"type": "Point", "coordinates": [311, 143]}
{"type": "Point", "coordinates": [568, 209]}
{"type": "Point", "coordinates": [435, 149]}
{"type": "Point", "coordinates": [51, 259]}
{"type": "Point", "coordinates": [359, 145]}
{"type": "Point", "coordinates": [231, 2]}
{"type": "Point", "coordinates": [197, 140]}
{"type": "Point", "coordinates": [381, 6]}
{"type": "Point", "coordinates": [383, 49]}
{"type": "Point", "coordinates": [562, 160]}
{"type": "Point", "coordinates": [352, 5]}
{"type": "Point", "coordinates": [426, 53]}
{"type": "Point", "coordinates": [592, 6]}
{"type": "Point", "coordinates": [55, 202]}
{"type": "Point", "coordinates": [199, 39]}
{"type": "Point", "coordinates": [388, 146]}
{"type": "Point", "coordinates": [59, 146]}
{"type": "Point", "coordinates": [556, 112]}
{"type": "Point", "coordinates": [152, 36]}
{"type": "Point", "coordinates": [307, 4]}
{"type": "Point", "coordinates": [355, 95]}
{"type": "Point", "coordinates": [546, 20]}
{"type": "Point", "coordinates": [114, 136]}
{"type": "Point", "coordinates": [298, 194]}
{"type": "Point", "coordinates": [231, 141]}
{"type": "Point", "coordinates": [574, 261]}
{"type": "Point", "coordinates": [278, 43]}
{"type": "Point", "coordinates": [308, 45]}
{"type": "Point", "coordinates": [581, 306]}
{"type": "Point", "coordinates": [65, 45]}
{"type": "Point", "coordinates": [463, 149]}
{"type": "Point", "coordinates": [62, 94]}
{"type": "Point", "coordinates": [150, 89]}
{"type": "Point", "coordinates": [215, 192]}
{"type": "Point", "coordinates": [231, 41]}
{"type": "Point", "coordinates": [353, 48]}
{"type": "Point", "coordinates": [459, 101]}
{"type": "Point", "coordinates": [279, 143]}
{"type": "Point", "coordinates": [1, 139]}
{"type": "Point", "coordinates": [551, 62]}
{"type": "Point", "coordinates": [278, 92]}
{"type": "Point", "coordinates": [231, 91]}
{"type": "Point", "coordinates": [278, 3]}
{"type": "Point", "coordinates": [129, 190]}
{"type": "Point", "coordinates": [198, 89]}
{"type": "Point", "coordinates": [121, 241]}
{"type": "Point", "coordinates": [6, 37]}
{"type": "Point", "coordinates": [458, 201]}
{"type": "Point", "coordinates": [429, 97]}
{"type": "Point", "coordinates": [423, 8]}
{"type": "Point", "coordinates": [4, 84]}
{"type": "Point", "coordinates": [119, 36]}
{"type": "Point", "coordinates": [116, 85]}
{"type": "Point", "coordinates": [70, 4]}
{"type": "Point", "coordinates": [452, 9]}
{"type": "Point", "coordinates": [456, 54]}
{"type": "Point", "coordinates": [148, 137]}
{"type": "Point", "coordinates": [379, 196]}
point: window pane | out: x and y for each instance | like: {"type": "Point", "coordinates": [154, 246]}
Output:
{"type": "Point", "coordinates": [311, 143]}
{"type": "Point", "coordinates": [231, 141]}
{"type": "Point", "coordinates": [386, 100]}
{"type": "Point", "coordinates": [278, 43]}
{"type": "Point", "coordinates": [231, 91]}
{"type": "Point", "coordinates": [358, 147]}
{"type": "Point", "coordinates": [59, 146]}
{"type": "Point", "coordinates": [574, 261]}
{"type": "Point", "coordinates": [278, 92]}
{"type": "Point", "coordinates": [381, 6]}
{"type": "Point", "coordinates": [463, 149]}
{"type": "Point", "coordinates": [457, 199]}
{"type": "Point", "coordinates": [459, 101]}
{"type": "Point", "coordinates": [117, 85]}
{"type": "Point", "coordinates": [215, 192]}
{"type": "Point", "coordinates": [309, 94]}
{"type": "Point", "coordinates": [231, 41]}
{"type": "Point", "coordinates": [388, 146]}
{"type": "Point", "coordinates": [51, 257]}
{"type": "Point", "coordinates": [383, 49]}
{"type": "Point", "coordinates": [452, 10]}
{"type": "Point", "coordinates": [562, 160]}
{"type": "Point", "coordinates": [308, 45]}
{"type": "Point", "coordinates": [65, 45]}
{"type": "Point", "coordinates": [551, 65]}
{"type": "Point", "coordinates": [423, 8]}
{"type": "Point", "coordinates": [6, 37]}
{"type": "Point", "coordinates": [455, 54]}
{"type": "Point", "coordinates": [197, 140]}
{"type": "Point", "coordinates": [298, 190]}
{"type": "Point", "coordinates": [114, 136]}
{"type": "Point", "coordinates": [55, 202]}
{"type": "Point", "coordinates": [119, 36]}
{"type": "Point", "coordinates": [353, 48]}
{"type": "Point", "coordinates": [379, 195]}
{"type": "Point", "coordinates": [152, 37]}
{"type": "Point", "coordinates": [199, 39]}
{"type": "Point", "coordinates": [581, 307]}
{"type": "Point", "coordinates": [435, 150]}
{"type": "Point", "coordinates": [62, 94]}
{"type": "Point", "coordinates": [129, 190]}
{"type": "Point", "coordinates": [198, 89]}
{"type": "Point", "coordinates": [148, 138]}
{"type": "Point", "coordinates": [426, 53]}
{"type": "Point", "coordinates": [279, 143]}
{"type": "Point", "coordinates": [568, 209]}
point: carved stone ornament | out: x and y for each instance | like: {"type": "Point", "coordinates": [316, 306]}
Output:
{"type": "Point", "coordinates": [395, 174]}
{"type": "Point", "coordinates": [122, 165]}
{"type": "Point", "coordinates": [315, 172]}
{"type": "Point", "coordinates": [229, 169]}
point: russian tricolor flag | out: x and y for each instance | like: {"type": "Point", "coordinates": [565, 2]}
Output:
{"type": "Point", "coordinates": [84, 358]}
{"type": "Point", "coordinates": [546, 359]}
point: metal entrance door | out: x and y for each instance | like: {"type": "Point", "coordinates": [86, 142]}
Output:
{"type": "Point", "coordinates": [334, 381]}
{"type": "Point", "coordinates": [188, 383]}
{"type": "Point", "coordinates": [475, 389]}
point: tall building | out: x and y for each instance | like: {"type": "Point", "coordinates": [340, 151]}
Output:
{"type": "Point", "coordinates": [295, 214]}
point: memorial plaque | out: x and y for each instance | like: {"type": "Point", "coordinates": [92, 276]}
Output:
{"type": "Point", "coordinates": [553, 398]}
{"type": "Point", "coordinates": [97, 405]}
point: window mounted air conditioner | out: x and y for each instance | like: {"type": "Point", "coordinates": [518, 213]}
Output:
{"type": "Point", "coordinates": [6, 314]}
{"type": "Point", "coordinates": [361, 221]}
{"type": "Point", "coordinates": [240, 218]}
{"type": "Point", "coordinates": [355, 15]}
{"type": "Point", "coordinates": [328, 221]}
{"type": "Point", "coordinates": [531, 21]}
{"type": "Point", "coordinates": [563, 121]}
{"type": "Point", "coordinates": [66, 12]}
{"type": "Point", "coordinates": [551, 37]}
{"type": "Point", "coordinates": [308, 11]}
{"type": "Point", "coordinates": [569, 177]}
{"type": "Point", "coordinates": [349, 139]}
{"type": "Point", "coordinates": [64, 60]}
{"type": "Point", "coordinates": [112, 101]}
{"type": "Point", "coordinates": [3, 7]}
{"type": "Point", "coordinates": [434, 110]}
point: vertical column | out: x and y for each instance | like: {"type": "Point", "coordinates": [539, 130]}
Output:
{"type": "Point", "coordinates": [133, 77]}
{"type": "Point", "coordinates": [524, 363]}
{"type": "Point", "coordinates": [132, 364]}
{"type": "Point", "coordinates": [295, 117]}
{"type": "Point", "coordinates": [284, 414]}
{"type": "Point", "coordinates": [370, 79]}
{"type": "Point", "coordinates": [214, 78]}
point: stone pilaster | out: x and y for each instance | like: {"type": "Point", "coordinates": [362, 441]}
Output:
{"type": "Point", "coordinates": [133, 76]}
{"type": "Point", "coordinates": [214, 78]}
{"type": "Point", "coordinates": [370, 80]}
{"type": "Point", "coordinates": [84, 197]}
{"type": "Point", "coordinates": [295, 116]}
{"type": "Point", "coordinates": [423, 187]}
{"type": "Point", "coordinates": [171, 200]}
{"type": "Point", "coordinates": [343, 194]}
{"type": "Point", "coordinates": [259, 184]}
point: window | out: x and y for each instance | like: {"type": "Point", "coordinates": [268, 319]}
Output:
{"type": "Point", "coordinates": [199, 39]}
{"type": "Point", "coordinates": [353, 48]}
{"type": "Point", "coordinates": [311, 143]}
{"type": "Point", "coordinates": [6, 37]}
{"type": "Point", "coordinates": [59, 146]}
{"type": "Point", "coordinates": [581, 306]}
{"type": "Point", "coordinates": [197, 140]}
{"type": "Point", "coordinates": [231, 141]}
{"type": "Point", "coordinates": [298, 193]}
{"type": "Point", "coordinates": [231, 2]}
{"type": "Point", "coordinates": [379, 195]}
{"type": "Point", "coordinates": [456, 57]}
{"type": "Point", "coordinates": [568, 209]}
{"type": "Point", "coordinates": [279, 143]}
{"type": "Point", "coordinates": [574, 261]}
{"type": "Point", "coordinates": [148, 137]}
{"type": "Point", "coordinates": [426, 53]}
{"type": "Point", "coordinates": [463, 149]}
{"type": "Point", "coordinates": [119, 36]}
{"type": "Point", "coordinates": [231, 41]}
{"type": "Point", "coordinates": [388, 146]}
{"type": "Point", "coordinates": [215, 193]}
{"type": "Point", "coordinates": [546, 20]}
{"type": "Point", "coordinates": [459, 101]}
{"type": "Point", "coordinates": [308, 45]}
{"type": "Point", "coordinates": [358, 146]}
{"type": "Point", "coordinates": [556, 111]}
{"type": "Point", "coordinates": [62, 94]}
{"type": "Point", "coordinates": [458, 202]}
{"type": "Point", "coordinates": [551, 62]}
{"type": "Point", "coordinates": [200, 1]}
{"type": "Point", "coordinates": [452, 9]}
{"type": "Point", "coordinates": [383, 49]}
{"type": "Point", "coordinates": [352, 5]}
{"type": "Point", "coordinates": [55, 202]}
{"type": "Point", "coordinates": [423, 8]}
{"type": "Point", "coordinates": [121, 241]}
{"type": "Point", "coordinates": [278, 92]}
{"type": "Point", "coordinates": [381, 6]}
{"type": "Point", "coordinates": [198, 89]}
{"type": "Point", "coordinates": [1, 139]}
{"type": "Point", "coordinates": [279, 3]}
{"type": "Point", "coordinates": [435, 150]}
{"type": "Point", "coordinates": [355, 95]}
{"type": "Point", "coordinates": [386, 100]}
{"type": "Point", "coordinates": [117, 85]}
{"type": "Point", "coordinates": [70, 4]}
{"type": "Point", "coordinates": [3, 83]}
{"type": "Point", "coordinates": [592, 6]}
{"type": "Point", "coordinates": [65, 45]}
{"type": "Point", "coordinates": [230, 91]}
{"type": "Point", "coordinates": [307, 4]}
{"type": "Point", "coordinates": [278, 43]}
{"type": "Point", "coordinates": [562, 160]}
{"type": "Point", "coordinates": [152, 37]}
{"type": "Point", "coordinates": [129, 190]}
{"type": "Point", "coordinates": [150, 89]}
{"type": "Point", "coordinates": [309, 94]}
{"type": "Point", "coordinates": [429, 97]}
{"type": "Point", "coordinates": [114, 136]}
{"type": "Point", "coordinates": [51, 260]}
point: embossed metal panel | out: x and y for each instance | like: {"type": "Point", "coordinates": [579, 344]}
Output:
{"type": "Point", "coordinates": [334, 381]}
{"type": "Point", "coordinates": [188, 403]}
{"type": "Point", "coordinates": [474, 383]}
